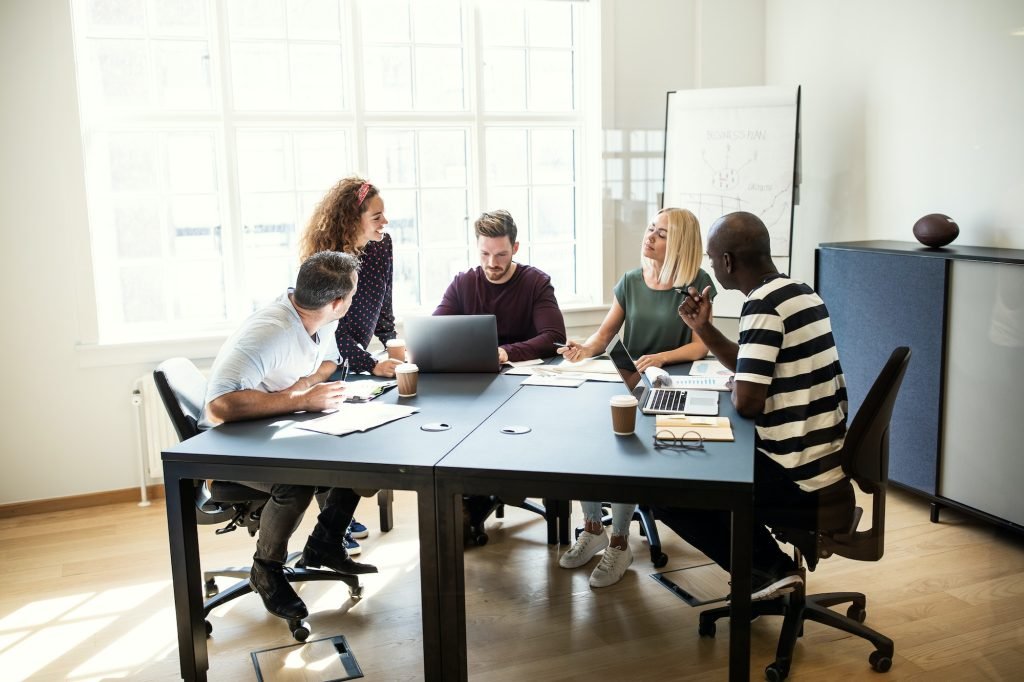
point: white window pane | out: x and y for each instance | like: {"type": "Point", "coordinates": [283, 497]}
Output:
{"type": "Point", "coordinates": [199, 291]}
{"type": "Point", "coordinates": [260, 75]}
{"type": "Point", "coordinates": [388, 78]}
{"type": "Point", "coordinates": [439, 268]}
{"type": "Point", "coordinates": [133, 162]}
{"type": "Point", "coordinates": [638, 140]}
{"type": "Point", "coordinates": [406, 292]}
{"type": "Point", "coordinates": [553, 214]}
{"type": "Point", "coordinates": [191, 163]}
{"type": "Point", "coordinates": [613, 169]}
{"type": "Point", "coordinates": [314, 19]}
{"type": "Point", "coordinates": [400, 210]}
{"type": "Point", "coordinates": [316, 77]}
{"type": "Point", "coordinates": [137, 223]}
{"type": "Point", "coordinates": [392, 159]}
{"type": "Point", "coordinates": [114, 15]}
{"type": "Point", "coordinates": [269, 222]}
{"type": "Point", "coordinates": [503, 24]}
{"type": "Point", "coordinates": [321, 159]}
{"type": "Point", "coordinates": [443, 218]}
{"type": "Point", "coordinates": [504, 80]}
{"type": "Point", "coordinates": [178, 17]}
{"type": "Point", "coordinates": [256, 18]}
{"type": "Point", "coordinates": [506, 151]}
{"type": "Point", "coordinates": [121, 68]}
{"type": "Point", "coordinates": [551, 156]}
{"type": "Point", "coordinates": [264, 161]}
{"type": "Point", "coordinates": [183, 74]}
{"type": "Point", "coordinates": [266, 278]}
{"type": "Point", "coordinates": [516, 201]}
{"type": "Point", "coordinates": [195, 226]}
{"type": "Point", "coordinates": [439, 82]}
{"type": "Point", "coordinates": [437, 22]}
{"type": "Point", "coordinates": [551, 83]}
{"type": "Point", "coordinates": [142, 293]}
{"type": "Point", "coordinates": [549, 24]}
{"type": "Point", "coordinates": [638, 169]}
{"type": "Point", "coordinates": [442, 156]}
{"type": "Point", "coordinates": [385, 21]}
{"type": "Point", "coordinates": [559, 262]}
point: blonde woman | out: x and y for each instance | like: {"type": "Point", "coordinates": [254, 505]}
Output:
{"type": "Point", "coordinates": [645, 309]}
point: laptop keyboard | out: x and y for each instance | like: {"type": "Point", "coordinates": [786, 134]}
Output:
{"type": "Point", "coordinates": [662, 399]}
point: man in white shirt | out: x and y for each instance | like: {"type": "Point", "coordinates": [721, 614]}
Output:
{"type": "Point", "coordinates": [278, 362]}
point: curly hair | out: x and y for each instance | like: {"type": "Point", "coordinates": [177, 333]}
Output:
{"type": "Point", "coordinates": [335, 222]}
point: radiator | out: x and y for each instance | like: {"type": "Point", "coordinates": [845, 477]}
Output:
{"type": "Point", "coordinates": [156, 433]}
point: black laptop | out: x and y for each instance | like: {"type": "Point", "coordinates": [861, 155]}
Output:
{"type": "Point", "coordinates": [660, 400]}
{"type": "Point", "coordinates": [453, 343]}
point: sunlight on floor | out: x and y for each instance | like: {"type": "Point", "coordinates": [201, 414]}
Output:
{"type": "Point", "coordinates": [40, 633]}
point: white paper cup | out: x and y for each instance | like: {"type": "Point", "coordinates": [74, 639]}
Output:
{"type": "Point", "coordinates": [408, 375]}
{"type": "Point", "coordinates": [623, 414]}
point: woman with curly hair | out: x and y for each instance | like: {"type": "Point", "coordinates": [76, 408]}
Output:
{"type": "Point", "coordinates": [350, 218]}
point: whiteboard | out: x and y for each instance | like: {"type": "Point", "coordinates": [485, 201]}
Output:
{"type": "Point", "coordinates": [734, 149]}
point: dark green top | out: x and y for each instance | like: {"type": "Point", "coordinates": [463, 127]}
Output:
{"type": "Point", "coordinates": [652, 322]}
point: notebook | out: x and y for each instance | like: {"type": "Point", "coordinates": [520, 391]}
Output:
{"type": "Point", "coordinates": [453, 343]}
{"type": "Point", "coordinates": [660, 400]}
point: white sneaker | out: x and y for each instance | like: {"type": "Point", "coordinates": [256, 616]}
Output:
{"type": "Point", "coordinates": [584, 549]}
{"type": "Point", "coordinates": [783, 585]}
{"type": "Point", "coordinates": [613, 566]}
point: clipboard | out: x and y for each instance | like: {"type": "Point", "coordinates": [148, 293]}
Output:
{"type": "Point", "coordinates": [673, 426]}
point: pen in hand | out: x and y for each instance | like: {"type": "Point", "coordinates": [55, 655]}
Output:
{"type": "Point", "coordinates": [344, 370]}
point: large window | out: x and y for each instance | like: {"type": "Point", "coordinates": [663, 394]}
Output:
{"type": "Point", "coordinates": [212, 128]}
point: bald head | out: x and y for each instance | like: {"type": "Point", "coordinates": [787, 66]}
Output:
{"type": "Point", "coordinates": [741, 250]}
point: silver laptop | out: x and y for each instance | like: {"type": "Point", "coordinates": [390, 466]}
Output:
{"type": "Point", "coordinates": [453, 343]}
{"type": "Point", "coordinates": [660, 400]}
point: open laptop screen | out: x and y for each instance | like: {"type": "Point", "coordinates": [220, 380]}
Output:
{"type": "Point", "coordinates": [625, 365]}
{"type": "Point", "coordinates": [453, 343]}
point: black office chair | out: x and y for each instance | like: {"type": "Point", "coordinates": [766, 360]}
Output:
{"type": "Point", "coordinates": [478, 508]}
{"type": "Point", "coordinates": [182, 389]}
{"type": "Point", "coordinates": [865, 459]}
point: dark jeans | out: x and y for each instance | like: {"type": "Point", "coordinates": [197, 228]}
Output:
{"type": "Point", "coordinates": [283, 513]}
{"type": "Point", "coordinates": [777, 502]}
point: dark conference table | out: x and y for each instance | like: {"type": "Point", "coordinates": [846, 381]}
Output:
{"type": "Point", "coordinates": [557, 459]}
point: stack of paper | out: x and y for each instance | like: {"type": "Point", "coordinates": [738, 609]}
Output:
{"type": "Point", "coordinates": [672, 426]}
{"type": "Point", "coordinates": [357, 417]}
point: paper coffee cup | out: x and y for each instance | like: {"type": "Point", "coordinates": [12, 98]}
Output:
{"type": "Point", "coordinates": [396, 349]}
{"type": "Point", "coordinates": [623, 414]}
{"type": "Point", "coordinates": [407, 375]}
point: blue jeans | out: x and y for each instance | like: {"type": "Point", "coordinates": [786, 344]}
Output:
{"type": "Point", "coordinates": [622, 515]}
{"type": "Point", "coordinates": [283, 512]}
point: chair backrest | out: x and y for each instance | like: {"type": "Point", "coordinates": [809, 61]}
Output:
{"type": "Point", "coordinates": [182, 389]}
{"type": "Point", "coordinates": [865, 460]}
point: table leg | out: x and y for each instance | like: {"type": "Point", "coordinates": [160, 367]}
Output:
{"type": "Point", "coordinates": [431, 602]}
{"type": "Point", "coordinates": [186, 575]}
{"type": "Point", "coordinates": [739, 611]}
{"type": "Point", "coordinates": [451, 580]}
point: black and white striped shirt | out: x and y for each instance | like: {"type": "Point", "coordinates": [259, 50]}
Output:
{"type": "Point", "coordinates": [786, 342]}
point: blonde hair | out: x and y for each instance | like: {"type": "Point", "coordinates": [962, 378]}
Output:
{"type": "Point", "coordinates": [683, 252]}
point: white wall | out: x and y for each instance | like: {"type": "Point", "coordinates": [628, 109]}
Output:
{"type": "Point", "coordinates": [908, 108]}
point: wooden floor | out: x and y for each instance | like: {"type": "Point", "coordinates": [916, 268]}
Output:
{"type": "Point", "coordinates": [86, 596]}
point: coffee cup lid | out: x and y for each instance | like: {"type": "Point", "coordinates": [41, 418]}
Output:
{"type": "Point", "coordinates": [395, 342]}
{"type": "Point", "coordinates": [624, 401]}
{"type": "Point", "coordinates": [407, 367]}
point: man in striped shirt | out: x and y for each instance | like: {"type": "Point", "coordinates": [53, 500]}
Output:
{"type": "Point", "coordinates": [789, 380]}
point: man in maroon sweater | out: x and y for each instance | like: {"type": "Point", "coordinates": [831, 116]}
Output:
{"type": "Point", "coordinates": [519, 296]}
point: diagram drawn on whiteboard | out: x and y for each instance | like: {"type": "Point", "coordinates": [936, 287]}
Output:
{"type": "Point", "coordinates": [733, 149]}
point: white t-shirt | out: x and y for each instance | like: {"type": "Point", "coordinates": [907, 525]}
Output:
{"type": "Point", "coordinates": [270, 351]}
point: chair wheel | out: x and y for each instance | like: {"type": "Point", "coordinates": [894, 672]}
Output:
{"type": "Point", "coordinates": [659, 560]}
{"type": "Point", "coordinates": [856, 613]}
{"type": "Point", "coordinates": [775, 673]}
{"type": "Point", "coordinates": [480, 539]}
{"type": "Point", "coordinates": [209, 627]}
{"type": "Point", "coordinates": [211, 588]}
{"type": "Point", "coordinates": [356, 592]}
{"type": "Point", "coordinates": [880, 663]}
{"type": "Point", "coordinates": [300, 630]}
{"type": "Point", "coordinates": [706, 629]}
